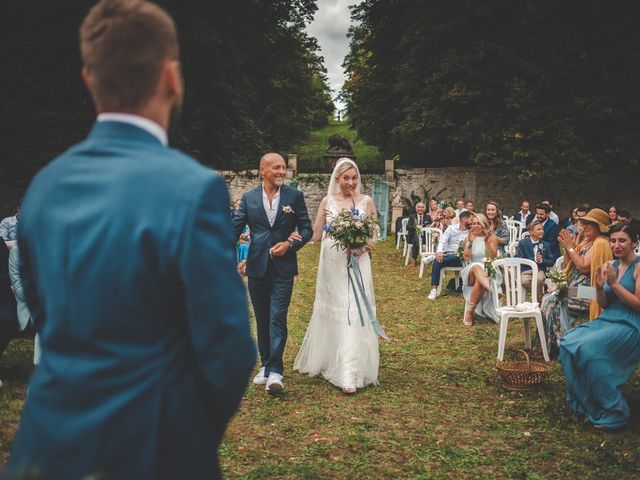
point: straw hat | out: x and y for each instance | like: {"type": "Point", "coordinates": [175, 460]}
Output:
{"type": "Point", "coordinates": [599, 217]}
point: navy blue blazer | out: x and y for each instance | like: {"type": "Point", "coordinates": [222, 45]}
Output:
{"type": "Point", "coordinates": [264, 236]}
{"type": "Point", "coordinates": [129, 270]}
{"type": "Point", "coordinates": [518, 216]}
{"type": "Point", "coordinates": [551, 232]}
{"type": "Point", "coordinates": [525, 250]}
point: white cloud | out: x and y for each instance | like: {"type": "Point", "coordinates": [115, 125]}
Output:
{"type": "Point", "coordinates": [330, 26]}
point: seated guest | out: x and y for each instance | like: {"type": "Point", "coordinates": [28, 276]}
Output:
{"type": "Point", "coordinates": [571, 223]}
{"type": "Point", "coordinates": [624, 216]}
{"type": "Point", "coordinates": [24, 315]}
{"type": "Point", "coordinates": [525, 215]}
{"type": "Point", "coordinates": [469, 206]}
{"type": "Point", "coordinates": [476, 286]}
{"type": "Point", "coordinates": [441, 221]}
{"type": "Point", "coordinates": [498, 226]}
{"type": "Point", "coordinates": [552, 215]}
{"type": "Point", "coordinates": [451, 216]}
{"type": "Point", "coordinates": [416, 221]}
{"type": "Point", "coordinates": [8, 311]}
{"type": "Point", "coordinates": [535, 248]}
{"type": "Point", "coordinates": [446, 252]}
{"type": "Point", "coordinates": [581, 260]}
{"type": "Point", "coordinates": [551, 228]}
{"type": "Point", "coordinates": [459, 207]}
{"type": "Point", "coordinates": [433, 208]}
{"type": "Point", "coordinates": [243, 244]}
{"type": "Point", "coordinates": [613, 215]}
{"type": "Point", "coordinates": [9, 226]}
{"type": "Point", "coordinates": [599, 356]}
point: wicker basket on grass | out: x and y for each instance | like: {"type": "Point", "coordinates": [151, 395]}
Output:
{"type": "Point", "coordinates": [522, 375]}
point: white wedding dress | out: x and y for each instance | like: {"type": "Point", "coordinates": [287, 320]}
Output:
{"type": "Point", "coordinates": [337, 345]}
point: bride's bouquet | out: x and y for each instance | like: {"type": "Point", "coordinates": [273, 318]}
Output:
{"type": "Point", "coordinates": [351, 229]}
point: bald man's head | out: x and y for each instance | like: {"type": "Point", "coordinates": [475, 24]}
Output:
{"type": "Point", "coordinates": [273, 169]}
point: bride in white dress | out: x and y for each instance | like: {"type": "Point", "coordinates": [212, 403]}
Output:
{"type": "Point", "coordinates": [337, 345]}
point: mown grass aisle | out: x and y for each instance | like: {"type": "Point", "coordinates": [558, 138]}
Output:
{"type": "Point", "coordinates": [439, 411]}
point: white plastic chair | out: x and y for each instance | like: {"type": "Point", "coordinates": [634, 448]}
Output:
{"type": "Point", "coordinates": [427, 245]}
{"type": "Point", "coordinates": [402, 234]}
{"type": "Point", "coordinates": [514, 233]}
{"type": "Point", "coordinates": [519, 225]}
{"type": "Point", "coordinates": [512, 249]}
{"type": "Point", "coordinates": [514, 295]}
{"type": "Point", "coordinates": [637, 250]}
{"type": "Point", "coordinates": [456, 272]}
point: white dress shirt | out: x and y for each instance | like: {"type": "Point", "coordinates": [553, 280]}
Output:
{"type": "Point", "coordinates": [451, 238]}
{"type": "Point", "coordinates": [554, 217]}
{"type": "Point", "coordinates": [141, 122]}
{"type": "Point", "coordinates": [271, 209]}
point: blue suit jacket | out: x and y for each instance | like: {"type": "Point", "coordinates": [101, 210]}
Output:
{"type": "Point", "coordinates": [264, 236]}
{"type": "Point", "coordinates": [129, 271]}
{"type": "Point", "coordinates": [551, 232]}
{"type": "Point", "coordinates": [525, 250]}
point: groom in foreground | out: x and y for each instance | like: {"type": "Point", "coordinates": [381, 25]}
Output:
{"type": "Point", "coordinates": [129, 271]}
{"type": "Point", "coordinates": [273, 211]}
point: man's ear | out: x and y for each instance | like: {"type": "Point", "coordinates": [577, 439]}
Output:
{"type": "Point", "coordinates": [86, 77]}
{"type": "Point", "coordinates": [173, 78]}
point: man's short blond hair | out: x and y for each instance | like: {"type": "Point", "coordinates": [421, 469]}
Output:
{"type": "Point", "coordinates": [124, 45]}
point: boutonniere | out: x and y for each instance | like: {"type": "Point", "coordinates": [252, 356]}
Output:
{"type": "Point", "coordinates": [287, 209]}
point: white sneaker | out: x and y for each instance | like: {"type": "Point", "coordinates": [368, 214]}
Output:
{"type": "Point", "coordinates": [433, 294]}
{"type": "Point", "coordinates": [274, 383]}
{"type": "Point", "coordinates": [260, 379]}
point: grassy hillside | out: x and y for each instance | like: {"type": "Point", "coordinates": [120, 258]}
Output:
{"type": "Point", "coordinates": [311, 150]}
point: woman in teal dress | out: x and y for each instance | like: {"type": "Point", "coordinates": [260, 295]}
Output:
{"type": "Point", "coordinates": [599, 356]}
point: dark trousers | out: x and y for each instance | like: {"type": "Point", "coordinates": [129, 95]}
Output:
{"type": "Point", "coordinates": [413, 241]}
{"type": "Point", "coordinates": [270, 297]}
{"type": "Point", "coordinates": [450, 260]}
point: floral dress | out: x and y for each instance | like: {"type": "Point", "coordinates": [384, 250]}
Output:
{"type": "Point", "coordinates": [560, 314]}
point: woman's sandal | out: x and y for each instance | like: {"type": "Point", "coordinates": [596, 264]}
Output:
{"type": "Point", "coordinates": [471, 307]}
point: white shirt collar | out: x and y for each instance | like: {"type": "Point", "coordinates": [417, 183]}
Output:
{"type": "Point", "coordinates": [141, 122]}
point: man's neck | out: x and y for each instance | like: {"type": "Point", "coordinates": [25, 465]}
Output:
{"type": "Point", "coordinates": [270, 189]}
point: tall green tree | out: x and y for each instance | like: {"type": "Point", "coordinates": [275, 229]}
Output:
{"type": "Point", "coordinates": [538, 88]}
{"type": "Point", "coordinates": [254, 81]}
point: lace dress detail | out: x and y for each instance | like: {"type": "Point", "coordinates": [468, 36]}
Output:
{"type": "Point", "coordinates": [336, 345]}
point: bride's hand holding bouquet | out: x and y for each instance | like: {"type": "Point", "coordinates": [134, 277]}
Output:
{"type": "Point", "coordinates": [353, 231]}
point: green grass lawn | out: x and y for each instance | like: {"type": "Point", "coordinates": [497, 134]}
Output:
{"type": "Point", "coordinates": [311, 150]}
{"type": "Point", "coordinates": [439, 412]}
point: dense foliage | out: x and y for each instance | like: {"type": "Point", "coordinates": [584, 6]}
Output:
{"type": "Point", "coordinates": [254, 81]}
{"type": "Point", "coordinates": [535, 87]}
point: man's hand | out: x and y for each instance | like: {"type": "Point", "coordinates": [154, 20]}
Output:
{"type": "Point", "coordinates": [439, 257]}
{"type": "Point", "coordinates": [295, 236]}
{"type": "Point", "coordinates": [280, 248]}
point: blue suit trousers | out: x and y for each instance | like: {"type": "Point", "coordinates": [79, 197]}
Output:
{"type": "Point", "coordinates": [450, 260]}
{"type": "Point", "coordinates": [270, 296]}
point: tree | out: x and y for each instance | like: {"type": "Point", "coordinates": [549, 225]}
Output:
{"type": "Point", "coordinates": [254, 81]}
{"type": "Point", "coordinates": [536, 88]}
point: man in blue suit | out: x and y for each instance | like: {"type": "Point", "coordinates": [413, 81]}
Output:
{"type": "Point", "coordinates": [551, 229]}
{"type": "Point", "coordinates": [534, 248]}
{"type": "Point", "coordinates": [128, 268]}
{"type": "Point", "coordinates": [273, 211]}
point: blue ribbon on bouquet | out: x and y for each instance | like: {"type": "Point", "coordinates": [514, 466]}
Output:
{"type": "Point", "coordinates": [357, 285]}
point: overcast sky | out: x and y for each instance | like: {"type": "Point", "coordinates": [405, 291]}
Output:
{"type": "Point", "coordinates": [330, 26]}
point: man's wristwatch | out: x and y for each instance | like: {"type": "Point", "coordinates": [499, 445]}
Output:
{"type": "Point", "coordinates": [290, 242]}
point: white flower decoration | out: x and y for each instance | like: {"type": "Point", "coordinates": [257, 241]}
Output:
{"type": "Point", "coordinates": [287, 209]}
